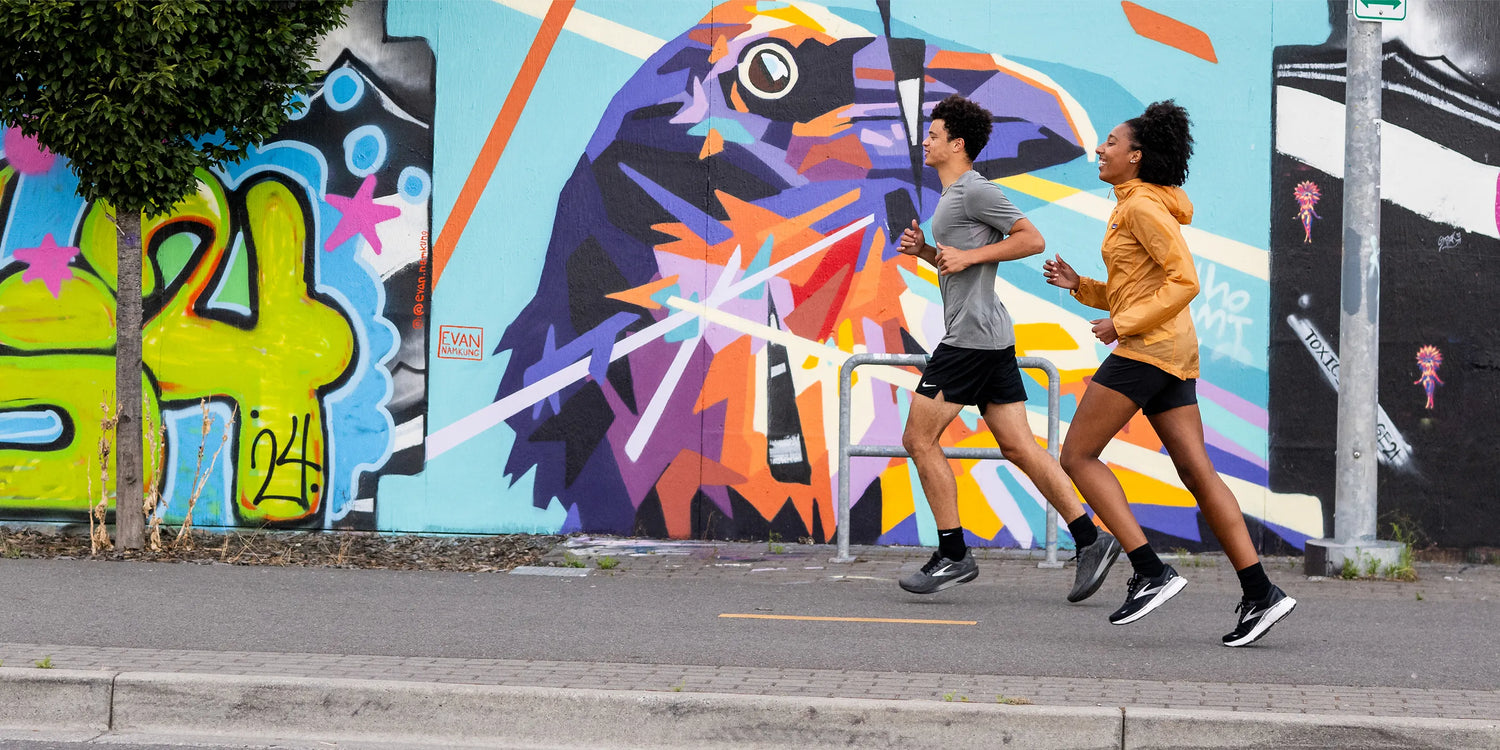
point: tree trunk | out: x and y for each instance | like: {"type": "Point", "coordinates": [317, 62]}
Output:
{"type": "Point", "coordinates": [130, 524]}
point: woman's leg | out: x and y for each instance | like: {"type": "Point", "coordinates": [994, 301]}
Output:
{"type": "Point", "coordinates": [1181, 432]}
{"type": "Point", "coordinates": [1101, 414]}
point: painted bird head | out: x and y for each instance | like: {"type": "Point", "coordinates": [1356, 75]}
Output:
{"type": "Point", "coordinates": [736, 209]}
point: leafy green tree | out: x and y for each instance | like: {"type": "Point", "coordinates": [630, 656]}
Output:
{"type": "Point", "coordinates": [137, 94]}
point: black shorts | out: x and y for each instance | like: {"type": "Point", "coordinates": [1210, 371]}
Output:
{"type": "Point", "coordinates": [1153, 389]}
{"type": "Point", "coordinates": [973, 377]}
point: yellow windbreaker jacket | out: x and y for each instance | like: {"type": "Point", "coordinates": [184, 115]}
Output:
{"type": "Point", "coordinates": [1151, 278]}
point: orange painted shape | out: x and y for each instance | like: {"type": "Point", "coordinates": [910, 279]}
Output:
{"type": "Point", "coordinates": [874, 74]}
{"type": "Point", "coordinates": [721, 48]}
{"type": "Point", "coordinates": [847, 150]}
{"type": "Point", "coordinates": [494, 144]}
{"type": "Point", "coordinates": [794, 15]}
{"type": "Point", "coordinates": [1169, 31]}
{"type": "Point", "coordinates": [713, 144]}
{"type": "Point", "coordinates": [641, 296]}
{"type": "Point", "coordinates": [825, 125]}
{"type": "Point", "coordinates": [735, 98]}
{"type": "Point", "coordinates": [680, 482]}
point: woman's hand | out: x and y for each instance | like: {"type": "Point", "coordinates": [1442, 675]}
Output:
{"type": "Point", "coordinates": [1104, 330]}
{"type": "Point", "coordinates": [1060, 274]}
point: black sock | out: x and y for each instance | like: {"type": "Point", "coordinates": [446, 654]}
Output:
{"type": "Point", "coordinates": [1145, 561]}
{"type": "Point", "coordinates": [1083, 530]}
{"type": "Point", "coordinates": [1254, 581]}
{"type": "Point", "coordinates": [951, 543]}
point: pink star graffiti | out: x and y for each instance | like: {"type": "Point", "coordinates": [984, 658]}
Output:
{"type": "Point", "coordinates": [47, 263]}
{"type": "Point", "coordinates": [359, 215]}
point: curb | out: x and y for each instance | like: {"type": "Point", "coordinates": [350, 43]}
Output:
{"type": "Point", "coordinates": [225, 706]}
{"type": "Point", "coordinates": [63, 699]}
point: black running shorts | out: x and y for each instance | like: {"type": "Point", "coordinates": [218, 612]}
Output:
{"type": "Point", "coordinates": [973, 377]}
{"type": "Point", "coordinates": [1153, 389]}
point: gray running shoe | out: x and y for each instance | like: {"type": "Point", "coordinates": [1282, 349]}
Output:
{"type": "Point", "coordinates": [941, 573]}
{"type": "Point", "coordinates": [1093, 565]}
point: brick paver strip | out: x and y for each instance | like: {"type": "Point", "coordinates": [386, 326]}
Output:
{"type": "Point", "coordinates": [1058, 691]}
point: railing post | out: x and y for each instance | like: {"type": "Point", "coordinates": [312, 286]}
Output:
{"type": "Point", "coordinates": [847, 449]}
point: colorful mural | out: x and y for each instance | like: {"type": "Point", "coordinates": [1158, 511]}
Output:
{"type": "Point", "coordinates": [722, 239]}
{"type": "Point", "coordinates": [279, 327]}
{"type": "Point", "coordinates": [644, 235]}
{"type": "Point", "coordinates": [1440, 188]}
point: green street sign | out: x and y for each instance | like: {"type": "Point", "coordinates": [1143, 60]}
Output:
{"type": "Point", "coordinates": [1380, 10]}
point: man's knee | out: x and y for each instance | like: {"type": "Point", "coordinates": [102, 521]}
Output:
{"type": "Point", "coordinates": [914, 443]}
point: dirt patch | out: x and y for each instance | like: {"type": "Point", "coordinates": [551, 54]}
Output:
{"type": "Point", "coordinates": [340, 549]}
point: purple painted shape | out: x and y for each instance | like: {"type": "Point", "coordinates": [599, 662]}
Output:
{"type": "Point", "coordinates": [1295, 538]}
{"type": "Point", "coordinates": [595, 344]}
{"type": "Point", "coordinates": [1497, 203]}
{"type": "Point", "coordinates": [697, 108]}
{"type": "Point", "coordinates": [874, 336]}
{"type": "Point", "coordinates": [1169, 519]}
{"type": "Point", "coordinates": [885, 429]}
{"type": "Point", "coordinates": [678, 427]}
{"type": "Point", "coordinates": [904, 533]}
{"type": "Point", "coordinates": [1021, 99]}
{"type": "Point", "coordinates": [1234, 404]}
{"type": "Point", "coordinates": [1216, 439]}
{"type": "Point", "coordinates": [571, 524]}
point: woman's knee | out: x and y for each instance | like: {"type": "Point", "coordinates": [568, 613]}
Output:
{"type": "Point", "coordinates": [1074, 458]}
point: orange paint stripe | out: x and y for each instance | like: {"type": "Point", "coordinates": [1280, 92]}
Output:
{"type": "Point", "coordinates": [1169, 31]}
{"type": "Point", "coordinates": [494, 145]}
{"type": "Point", "coordinates": [852, 619]}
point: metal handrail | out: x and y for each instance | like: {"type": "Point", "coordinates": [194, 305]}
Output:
{"type": "Point", "coordinates": [846, 379]}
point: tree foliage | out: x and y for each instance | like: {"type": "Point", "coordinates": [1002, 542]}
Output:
{"type": "Point", "coordinates": [136, 94]}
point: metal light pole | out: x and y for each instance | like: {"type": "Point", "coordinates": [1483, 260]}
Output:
{"type": "Point", "coordinates": [1358, 446]}
{"type": "Point", "coordinates": [1359, 321]}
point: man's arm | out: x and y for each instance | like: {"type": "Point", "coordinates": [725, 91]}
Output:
{"type": "Point", "coordinates": [1025, 240]}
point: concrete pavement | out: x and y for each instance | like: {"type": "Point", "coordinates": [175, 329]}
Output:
{"type": "Point", "coordinates": [741, 681]}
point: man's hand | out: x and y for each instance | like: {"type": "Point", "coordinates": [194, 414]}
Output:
{"type": "Point", "coordinates": [1104, 330]}
{"type": "Point", "coordinates": [1060, 274]}
{"type": "Point", "coordinates": [951, 261]}
{"type": "Point", "coordinates": [913, 240]}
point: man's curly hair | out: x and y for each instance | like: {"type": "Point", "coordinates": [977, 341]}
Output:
{"type": "Point", "coordinates": [1162, 135]}
{"type": "Point", "coordinates": [967, 120]}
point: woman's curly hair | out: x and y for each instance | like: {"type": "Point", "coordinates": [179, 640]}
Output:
{"type": "Point", "coordinates": [1162, 135]}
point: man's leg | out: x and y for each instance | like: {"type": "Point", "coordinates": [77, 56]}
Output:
{"type": "Point", "coordinates": [951, 564]}
{"type": "Point", "coordinates": [925, 422]}
{"type": "Point", "coordinates": [1097, 550]}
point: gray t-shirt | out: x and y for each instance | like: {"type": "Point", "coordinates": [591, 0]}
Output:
{"type": "Point", "coordinates": [974, 212]}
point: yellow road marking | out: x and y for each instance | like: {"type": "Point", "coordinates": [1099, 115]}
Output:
{"type": "Point", "coordinates": [850, 619]}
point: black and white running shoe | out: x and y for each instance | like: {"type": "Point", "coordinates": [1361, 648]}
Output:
{"type": "Point", "coordinates": [1093, 565]}
{"type": "Point", "coordinates": [941, 573]}
{"type": "Point", "coordinates": [1256, 618]}
{"type": "Point", "coordinates": [1143, 595]}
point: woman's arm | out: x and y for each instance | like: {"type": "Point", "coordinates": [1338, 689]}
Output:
{"type": "Point", "coordinates": [1159, 233]}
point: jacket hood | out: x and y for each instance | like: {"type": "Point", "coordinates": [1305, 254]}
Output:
{"type": "Point", "coordinates": [1174, 199]}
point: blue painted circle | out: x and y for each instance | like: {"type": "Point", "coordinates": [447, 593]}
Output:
{"type": "Point", "coordinates": [343, 89]}
{"type": "Point", "coordinates": [364, 150]}
{"type": "Point", "coordinates": [414, 184]}
{"type": "Point", "coordinates": [295, 113]}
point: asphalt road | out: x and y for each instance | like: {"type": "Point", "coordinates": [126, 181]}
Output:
{"type": "Point", "coordinates": [1023, 626]}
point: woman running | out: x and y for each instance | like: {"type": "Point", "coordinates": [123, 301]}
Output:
{"type": "Point", "coordinates": [1154, 367]}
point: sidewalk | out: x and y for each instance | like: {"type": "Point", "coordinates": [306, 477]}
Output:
{"type": "Point", "coordinates": [1205, 712]}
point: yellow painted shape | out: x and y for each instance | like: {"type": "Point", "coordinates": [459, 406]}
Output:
{"type": "Point", "coordinates": [845, 335]}
{"type": "Point", "coordinates": [1037, 187]}
{"type": "Point", "coordinates": [82, 316]}
{"type": "Point", "coordinates": [793, 15]}
{"type": "Point", "coordinates": [896, 500]}
{"type": "Point", "coordinates": [1043, 337]}
{"type": "Point", "coordinates": [299, 347]}
{"type": "Point", "coordinates": [811, 618]}
{"type": "Point", "coordinates": [64, 478]}
{"type": "Point", "coordinates": [973, 508]}
{"type": "Point", "coordinates": [1143, 490]}
{"type": "Point", "coordinates": [927, 273]}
